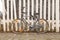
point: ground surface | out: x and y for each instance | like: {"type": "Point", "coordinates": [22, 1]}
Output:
{"type": "Point", "coordinates": [29, 36]}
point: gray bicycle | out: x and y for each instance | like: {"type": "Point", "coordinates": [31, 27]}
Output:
{"type": "Point", "coordinates": [37, 25]}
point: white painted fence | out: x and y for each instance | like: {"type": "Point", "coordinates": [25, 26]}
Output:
{"type": "Point", "coordinates": [45, 8]}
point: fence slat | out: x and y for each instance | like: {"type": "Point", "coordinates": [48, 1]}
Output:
{"type": "Point", "coordinates": [49, 13]}
{"type": "Point", "coordinates": [7, 14]}
{"type": "Point", "coordinates": [40, 8]}
{"type": "Point", "coordinates": [24, 10]}
{"type": "Point", "coordinates": [28, 11]}
{"type": "Point", "coordinates": [32, 11]}
{"type": "Point", "coordinates": [20, 12]}
{"type": "Point", "coordinates": [36, 6]}
{"type": "Point", "coordinates": [32, 7]}
{"type": "Point", "coordinates": [11, 9]}
{"type": "Point", "coordinates": [44, 13]}
{"type": "Point", "coordinates": [52, 15]}
{"type": "Point", "coordinates": [19, 8]}
{"type": "Point", "coordinates": [12, 13]}
{"type": "Point", "coordinates": [15, 14]}
{"type": "Point", "coordinates": [4, 27]}
{"type": "Point", "coordinates": [24, 5]}
{"type": "Point", "coordinates": [57, 15]}
{"type": "Point", "coordinates": [15, 9]}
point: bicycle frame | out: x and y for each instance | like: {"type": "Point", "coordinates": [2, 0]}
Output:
{"type": "Point", "coordinates": [36, 24]}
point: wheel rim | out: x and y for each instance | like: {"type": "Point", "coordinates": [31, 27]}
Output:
{"type": "Point", "coordinates": [46, 23]}
{"type": "Point", "coordinates": [21, 24]}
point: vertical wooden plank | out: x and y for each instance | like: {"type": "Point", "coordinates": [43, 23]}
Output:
{"type": "Point", "coordinates": [44, 13]}
{"type": "Point", "coordinates": [32, 11]}
{"type": "Point", "coordinates": [57, 15]}
{"type": "Point", "coordinates": [49, 13]}
{"type": "Point", "coordinates": [52, 15]}
{"type": "Point", "coordinates": [36, 6]}
{"type": "Point", "coordinates": [7, 9]}
{"type": "Point", "coordinates": [7, 15]}
{"type": "Point", "coordinates": [24, 10]}
{"type": "Point", "coordinates": [11, 9]}
{"type": "Point", "coordinates": [11, 13]}
{"type": "Point", "coordinates": [4, 27]}
{"type": "Point", "coordinates": [28, 11]}
{"type": "Point", "coordinates": [24, 5]}
{"type": "Point", "coordinates": [15, 9]}
{"type": "Point", "coordinates": [20, 12]}
{"type": "Point", "coordinates": [32, 7]}
{"type": "Point", "coordinates": [40, 9]}
{"type": "Point", "coordinates": [15, 14]}
{"type": "Point", "coordinates": [19, 8]}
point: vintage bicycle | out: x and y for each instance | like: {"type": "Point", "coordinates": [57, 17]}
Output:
{"type": "Point", "coordinates": [37, 24]}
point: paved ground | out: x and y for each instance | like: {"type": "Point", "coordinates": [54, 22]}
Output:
{"type": "Point", "coordinates": [29, 36]}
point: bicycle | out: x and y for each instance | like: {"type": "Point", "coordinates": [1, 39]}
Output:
{"type": "Point", "coordinates": [36, 26]}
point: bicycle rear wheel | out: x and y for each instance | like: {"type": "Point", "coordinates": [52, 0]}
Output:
{"type": "Point", "coordinates": [45, 24]}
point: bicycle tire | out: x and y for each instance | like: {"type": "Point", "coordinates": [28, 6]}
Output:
{"type": "Point", "coordinates": [16, 21]}
{"type": "Point", "coordinates": [47, 24]}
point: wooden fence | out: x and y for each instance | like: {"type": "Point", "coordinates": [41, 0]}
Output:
{"type": "Point", "coordinates": [47, 9]}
